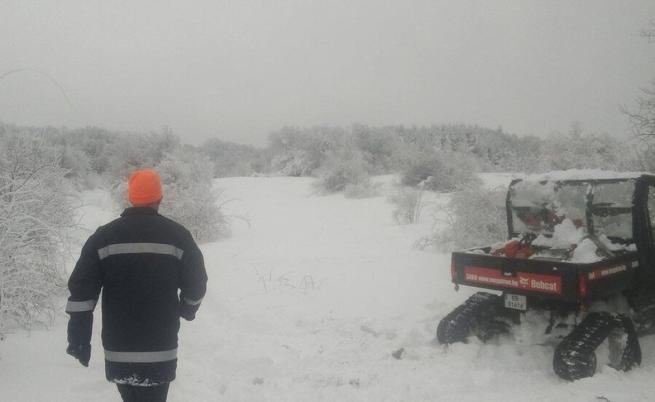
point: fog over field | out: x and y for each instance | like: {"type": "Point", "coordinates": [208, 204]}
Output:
{"type": "Point", "coordinates": [240, 69]}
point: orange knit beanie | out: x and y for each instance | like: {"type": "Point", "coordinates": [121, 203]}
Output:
{"type": "Point", "coordinates": [144, 187]}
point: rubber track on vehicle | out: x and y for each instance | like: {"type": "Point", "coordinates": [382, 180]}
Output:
{"type": "Point", "coordinates": [458, 324]}
{"type": "Point", "coordinates": [575, 356]}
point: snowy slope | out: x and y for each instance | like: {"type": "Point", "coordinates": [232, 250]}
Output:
{"type": "Point", "coordinates": [307, 301]}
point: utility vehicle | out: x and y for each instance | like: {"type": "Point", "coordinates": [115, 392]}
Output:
{"type": "Point", "coordinates": [577, 244]}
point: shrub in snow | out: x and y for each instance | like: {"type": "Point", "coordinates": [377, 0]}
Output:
{"type": "Point", "coordinates": [475, 216]}
{"type": "Point", "coordinates": [380, 147]}
{"type": "Point", "coordinates": [445, 171]}
{"type": "Point", "coordinates": [35, 212]}
{"type": "Point", "coordinates": [232, 159]}
{"type": "Point", "coordinates": [96, 144]}
{"type": "Point", "coordinates": [342, 169]}
{"type": "Point", "coordinates": [579, 150]}
{"type": "Point", "coordinates": [294, 163]}
{"type": "Point", "coordinates": [129, 152]}
{"type": "Point", "coordinates": [645, 155]}
{"type": "Point", "coordinates": [407, 201]}
{"type": "Point", "coordinates": [643, 116]}
{"type": "Point", "coordinates": [300, 152]}
{"type": "Point", "coordinates": [189, 196]}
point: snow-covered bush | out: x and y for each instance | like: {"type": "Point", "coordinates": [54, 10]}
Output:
{"type": "Point", "coordinates": [342, 169]}
{"type": "Point", "coordinates": [78, 167]}
{"type": "Point", "coordinates": [645, 155]}
{"type": "Point", "coordinates": [189, 197]}
{"type": "Point", "coordinates": [381, 148]}
{"type": "Point", "coordinates": [579, 150]}
{"type": "Point", "coordinates": [35, 212]}
{"type": "Point", "coordinates": [642, 117]}
{"type": "Point", "coordinates": [294, 163]}
{"type": "Point", "coordinates": [438, 171]}
{"type": "Point", "coordinates": [475, 216]}
{"type": "Point", "coordinates": [301, 152]}
{"type": "Point", "coordinates": [408, 205]}
{"type": "Point", "coordinates": [129, 152]}
{"type": "Point", "coordinates": [96, 143]}
{"type": "Point", "coordinates": [231, 160]}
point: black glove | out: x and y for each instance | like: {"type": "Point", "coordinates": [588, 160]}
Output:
{"type": "Point", "coordinates": [187, 311]}
{"type": "Point", "coordinates": [81, 353]}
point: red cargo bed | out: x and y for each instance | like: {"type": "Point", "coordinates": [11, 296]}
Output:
{"type": "Point", "coordinates": [546, 279]}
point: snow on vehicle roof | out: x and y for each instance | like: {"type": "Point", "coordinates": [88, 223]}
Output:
{"type": "Point", "coordinates": [582, 174]}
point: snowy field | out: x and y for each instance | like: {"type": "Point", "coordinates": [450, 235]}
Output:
{"type": "Point", "coordinates": [309, 300]}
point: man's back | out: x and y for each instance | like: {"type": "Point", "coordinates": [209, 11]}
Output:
{"type": "Point", "coordinates": [140, 261]}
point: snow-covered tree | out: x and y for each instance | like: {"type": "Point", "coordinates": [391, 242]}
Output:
{"type": "Point", "coordinates": [129, 152]}
{"type": "Point", "coordinates": [35, 211]}
{"type": "Point", "coordinates": [439, 170]}
{"type": "Point", "coordinates": [342, 168]}
{"type": "Point", "coordinates": [580, 150]}
{"type": "Point", "coordinates": [642, 116]}
{"type": "Point", "coordinates": [302, 151]}
{"type": "Point", "coordinates": [231, 160]}
{"type": "Point", "coordinates": [475, 216]}
{"type": "Point", "coordinates": [189, 196]}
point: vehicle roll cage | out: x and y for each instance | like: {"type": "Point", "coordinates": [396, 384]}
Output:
{"type": "Point", "coordinates": [641, 223]}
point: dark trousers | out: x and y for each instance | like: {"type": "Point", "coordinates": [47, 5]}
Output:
{"type": "Point", "coordinates": [131, 393]}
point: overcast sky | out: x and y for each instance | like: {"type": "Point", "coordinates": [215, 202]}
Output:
{"type": "Point", "coordinates": [239, 69]}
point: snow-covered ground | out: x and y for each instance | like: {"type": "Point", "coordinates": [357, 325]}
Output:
{"type": "Point", "coordinates": [308, 301]}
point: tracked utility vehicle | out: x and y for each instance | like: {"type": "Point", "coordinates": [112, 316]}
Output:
{"type": "Point", "coordinates": [577, 244]}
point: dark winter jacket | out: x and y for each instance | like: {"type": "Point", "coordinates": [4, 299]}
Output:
{"type": "Point", "coordinates": [140, 260]}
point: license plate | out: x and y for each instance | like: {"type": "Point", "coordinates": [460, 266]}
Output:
{"type": "Point", "coordinates": [517, 302]}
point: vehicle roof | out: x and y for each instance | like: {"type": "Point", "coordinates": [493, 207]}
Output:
{"type": "Point", "coordinates": [582, 175]}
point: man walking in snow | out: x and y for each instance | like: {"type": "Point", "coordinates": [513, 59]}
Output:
{"type": "Point", "coordinates": [140, 261]}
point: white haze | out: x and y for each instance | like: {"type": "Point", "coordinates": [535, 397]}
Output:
{"type": "Point", "coordinates": [240, 69]}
